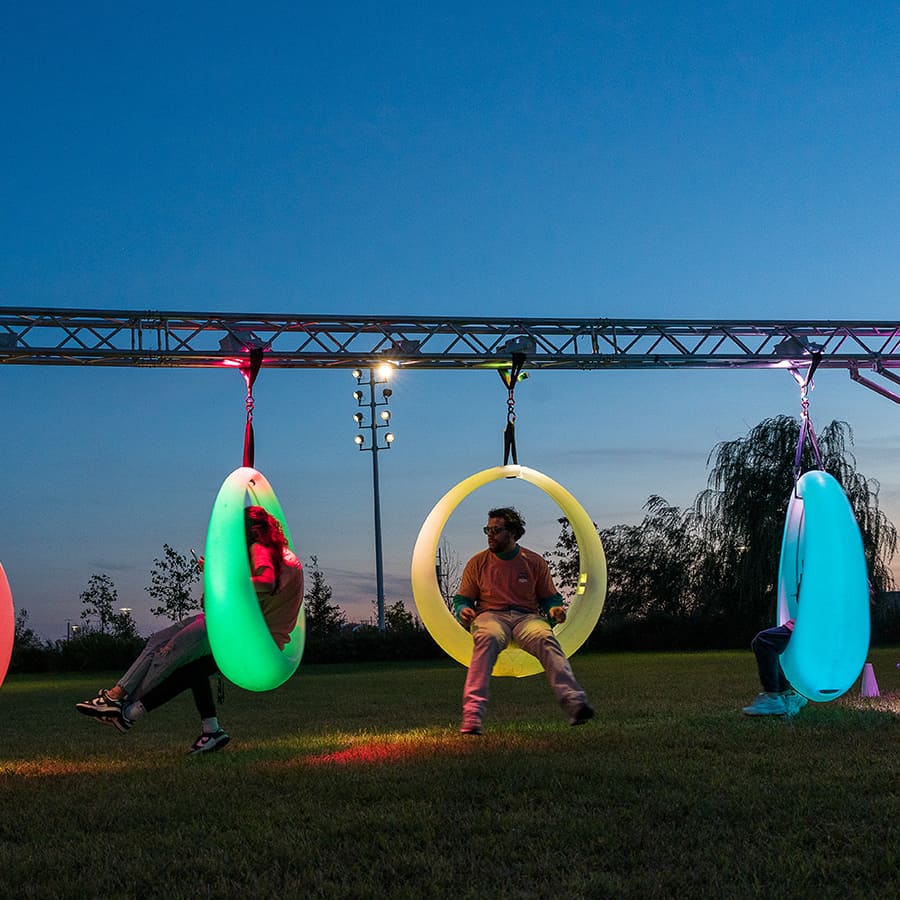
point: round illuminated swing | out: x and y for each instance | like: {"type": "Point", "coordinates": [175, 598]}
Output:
{"type": "Point", "coordinates": [583, 612]}
{"type": "Point", "coordinates": [240, 639]}
{"type": "Point", "coordinates": [7, 624]}
{"type": "Point", "coordinates": [823, 585]}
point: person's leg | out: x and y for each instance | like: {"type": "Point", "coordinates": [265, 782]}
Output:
{"type": "Point", "coordinates": [768, 646]}
{"type": "Point", "coordinates": [534, 635]}
{"type": "Point", "coordinates": [108, 706]}
{"type": "Point", "coordinates": [195, 675]}
{"type": "Point", "coordinates": [491, 635]}
{"type": "Point", "coordinates": [189, 643]}
{"type": "Point", "coordinates": [138, 669]}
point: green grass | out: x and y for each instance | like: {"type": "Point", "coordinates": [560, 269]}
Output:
{"type": "Point", "coordinates": [351, 781]}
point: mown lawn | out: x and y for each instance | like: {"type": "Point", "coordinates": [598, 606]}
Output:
{"type": "Point", "coordinates": [351, 781]}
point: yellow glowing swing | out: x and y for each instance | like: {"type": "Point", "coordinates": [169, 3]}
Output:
{"type": "Point", "coordinates": [583, 612]}
{"type": "Point", "coordinates": [241, 642]}
{"type": "Point", "coordinates": [7, 624]}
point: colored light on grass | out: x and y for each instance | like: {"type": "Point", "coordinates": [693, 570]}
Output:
{"type": "Point", "coordinates": [7, 624]}
{"type": "Point", "coordinates": [823, 585]}
{"type": "Point", "coordinates": [240, 639]}
{"type": "Point", "coordinates": [583, 612]}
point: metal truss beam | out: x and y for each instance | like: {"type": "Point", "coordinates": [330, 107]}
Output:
{"type": "Point", "coordinates": [77, 337]}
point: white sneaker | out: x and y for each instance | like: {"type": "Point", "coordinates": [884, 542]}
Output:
{"type": "Point", "coordinates": [767, 705]}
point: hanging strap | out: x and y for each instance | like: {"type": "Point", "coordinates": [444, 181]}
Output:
{"type": "Point", "coordinates": [509, 377]}
{"type": "Point", "coordinates": [807, 431]}
{"type": "Point", "coordinates": [249, 372]}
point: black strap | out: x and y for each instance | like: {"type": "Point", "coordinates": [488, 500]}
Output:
{"type": "Point", "coordinates": [509, 377]}
{"type": "Point", "coordinates": [807, 431]}
{"type": "Point", "coordinates": [250, 371]}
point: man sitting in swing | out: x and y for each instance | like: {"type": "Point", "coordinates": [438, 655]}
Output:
{"type": "Point", "coordinates": [507, 595]}
{"type": "Point", "coordinates": [179, 657]}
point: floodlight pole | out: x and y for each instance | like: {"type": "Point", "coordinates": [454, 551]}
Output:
{"type": "Point", "coordinates": [373, 427]}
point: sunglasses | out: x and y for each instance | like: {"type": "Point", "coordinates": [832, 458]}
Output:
{"type": "Point", "coordinates": [494, 529]}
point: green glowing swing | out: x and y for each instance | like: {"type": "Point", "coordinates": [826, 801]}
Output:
{"type": "Point", "coordinates": [242, 645]}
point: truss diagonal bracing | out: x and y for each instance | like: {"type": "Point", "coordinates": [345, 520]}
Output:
{"type": "Point", "coordinates": [73, 337]}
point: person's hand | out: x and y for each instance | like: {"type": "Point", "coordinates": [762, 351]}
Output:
{"type": "Point", "coordinates": [467, 616]}
{"type": "Point", "coordinates": [557, 613]}
{"type": "Point", "coordinates": [200, 562]}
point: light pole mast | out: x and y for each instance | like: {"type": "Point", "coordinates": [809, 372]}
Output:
{"type": "Point", "coordinates": [375, 423]}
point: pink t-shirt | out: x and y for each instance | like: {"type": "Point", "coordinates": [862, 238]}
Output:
{"type": "Point", "coordinates": [281, 607]}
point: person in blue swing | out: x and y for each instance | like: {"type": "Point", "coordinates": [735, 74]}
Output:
{"type": "Point", "coordinates": [777, 698]}
{"type": "Point", "coordinates": [507, 596]}
{"type": "Point", "coordinates": [179, 658]}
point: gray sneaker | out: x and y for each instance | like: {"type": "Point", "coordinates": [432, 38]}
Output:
{"type": "Point", "coordinates": [766, 704]}
{"type": "Point", "coordinates": [210, 742]}
{"type": "Point", "coordinates": [793, 702]}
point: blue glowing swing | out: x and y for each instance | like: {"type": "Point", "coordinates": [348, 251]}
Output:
{"type": "Point", "coordinates": [822, 577]}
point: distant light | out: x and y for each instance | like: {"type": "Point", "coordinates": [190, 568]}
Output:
{"type": "Point", "coordinates": [357, 395]}
{"type": "Point", "coordinates": [357, 374]}
{"type": "Point", "coordinates": [359, 439]}
{"type": "Point", "coordinates": [386, 415]}
{"type": "Point", "coordinates": [384, 371]}
{"type": "Point", "coordinates": [389, 437]}
{"type": "Point", "coordinates": [358, 417]}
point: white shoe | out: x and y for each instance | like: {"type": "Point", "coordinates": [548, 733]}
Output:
{"type": "Point", "coordinates": [767, 705]}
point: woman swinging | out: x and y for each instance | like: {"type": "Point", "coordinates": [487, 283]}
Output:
{"type": "Point", "coordinates": [179, 657]}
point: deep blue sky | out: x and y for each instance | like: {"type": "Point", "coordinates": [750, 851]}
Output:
{"type": "Point", "coordinates": [591, 159]}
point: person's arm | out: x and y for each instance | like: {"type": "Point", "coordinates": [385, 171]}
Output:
{"type": "Point", "coordinates": [464, 609]}
{"type": "Point", "coordinates": [549, 600]}
{"type": "Point", "coordinates": [553, 608]}
{"type": "Point", "coordinates": [464, 602]}
{"type": "Point", "coordinates": [262, 569]}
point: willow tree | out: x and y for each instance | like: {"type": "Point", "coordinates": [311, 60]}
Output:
{"type": "Point", "coordinates": [717, 562]}
{"type": "Point", "coordinates": [741, 514]}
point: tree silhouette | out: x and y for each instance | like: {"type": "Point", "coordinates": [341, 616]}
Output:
{"type": "Point", "coordinates": [742, 511]}
{"type": "Point", "coordinates": [171, 584]}
{"type": "Point", "coordinates": [324, 619]}
{"type": "Point", "coordinates": [99, 600]}
{"type": "Point", "coordinates": [449, 572]}
{"type": "Point", "coordinates": [398, 619]}
{"type": "Point", "coordinates": [718, 561]}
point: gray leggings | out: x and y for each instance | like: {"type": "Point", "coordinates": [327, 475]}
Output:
{"type": "Point", "coordinates": [164, 652]}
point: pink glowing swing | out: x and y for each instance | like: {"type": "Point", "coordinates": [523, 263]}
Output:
{"type": "Point", "coordinates": [7, 624]}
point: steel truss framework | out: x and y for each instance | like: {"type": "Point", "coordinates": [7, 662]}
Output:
{"type": "Point", "coordinates": [77, 337]}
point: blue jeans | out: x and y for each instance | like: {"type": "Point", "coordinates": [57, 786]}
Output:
{"type": "Point", "coordinates": [768, 646]}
